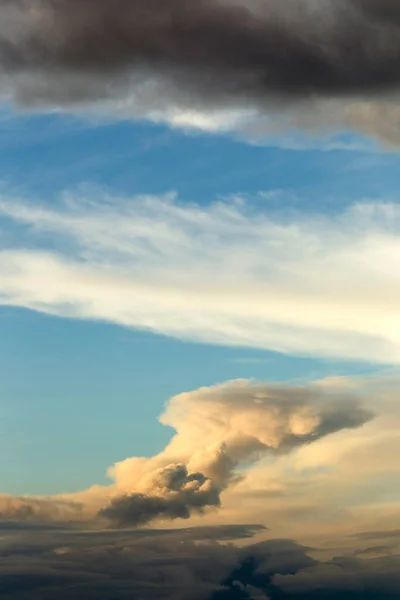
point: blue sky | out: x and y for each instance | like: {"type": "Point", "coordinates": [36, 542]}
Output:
{"type": "Point", "coordinates": [58, 152]}
{"type": "Point", "coordinates": [78, 396]}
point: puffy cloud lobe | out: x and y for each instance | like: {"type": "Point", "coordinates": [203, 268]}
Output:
{"type": "Point", "coordinates": [178, 495]}
{"type": "Point", "coordinates": [248, 417]}
{"type": "Point", "coordinates": [204, 62]}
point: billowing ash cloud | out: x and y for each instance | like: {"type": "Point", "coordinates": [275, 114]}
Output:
{"type": "Point", "coordinates": [174, 55]}
{"type": "Point", "coordinates": [218, 430]}
{"type": "Point", "coordinates": [221, 431]}
{"type": "Point", "coordinates": [176, 495]}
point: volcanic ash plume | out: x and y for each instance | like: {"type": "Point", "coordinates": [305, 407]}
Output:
{"type": "Point", "coordinates": [221, 431]}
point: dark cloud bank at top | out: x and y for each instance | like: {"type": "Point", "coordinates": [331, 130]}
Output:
{"type": "Point", "coordinates": [258, 46]}
{"type": "Point", "coordinates": [215, 53]}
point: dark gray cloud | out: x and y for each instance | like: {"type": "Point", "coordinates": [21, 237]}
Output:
{"type": "Point", "coordinates": [387, 10]}
{"type": "Point", "coordinates": [154, 56]}
{"type": "Point", "coordinates": [184, 564]}
{"type": "Point", "coordinates": [181, 494]}
{"type": "Point", "coordinates": [258, 46]}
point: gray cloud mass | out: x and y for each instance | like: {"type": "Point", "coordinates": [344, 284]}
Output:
{"type": "Point", "coordinates": [258, 46]}
{"type": "Point", "coordinates": [161, 55]}
{"type": "Point", "coordinates": [182, 494]}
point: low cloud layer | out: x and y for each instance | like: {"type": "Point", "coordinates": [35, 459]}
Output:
{"type": "Point", "coordinates": [195, 563]}
{"type": "Point", "coordinates": [229, 273]}
{"type": "Point", "coordinates": [219, 432]}
{"type": "Point", "coordinates": [211, 63]}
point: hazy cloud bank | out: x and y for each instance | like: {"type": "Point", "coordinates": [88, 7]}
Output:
{"type": "Point", "coordinates": [181, 564]}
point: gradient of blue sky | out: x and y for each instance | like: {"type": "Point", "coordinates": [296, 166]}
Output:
{"type": "Point", "coordinates": [78, 396]}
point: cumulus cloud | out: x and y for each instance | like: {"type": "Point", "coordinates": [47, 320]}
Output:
{"type": "Point", "coordinates": [211, 63]}
{"type": "Point", "coordinates": [179, 564]}
{"type": "Point", "coordinates": [228, 273]}
{"type": "Point", "coordinates": [219, 432]}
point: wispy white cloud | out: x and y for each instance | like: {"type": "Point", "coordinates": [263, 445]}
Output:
{"type": "Point", "coordinates": [227, 273]}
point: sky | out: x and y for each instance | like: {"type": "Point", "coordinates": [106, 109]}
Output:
{"type": "Point", "coordinates": [199, 291]}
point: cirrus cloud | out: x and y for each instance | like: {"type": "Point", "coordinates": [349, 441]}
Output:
{"type": "Point", "coordinates": [228, 273]}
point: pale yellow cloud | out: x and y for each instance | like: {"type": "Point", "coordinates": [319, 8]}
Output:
{"type": "Point", "coordinates": [221, 274]}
